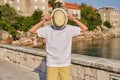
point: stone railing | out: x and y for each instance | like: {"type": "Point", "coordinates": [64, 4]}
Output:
{"type": "Point", "coordinates": [83, 67]}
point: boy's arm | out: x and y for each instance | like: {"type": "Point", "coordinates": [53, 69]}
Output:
{"type": "Point", "coordinates": [38, 25]}
{"type": "Point", "coordinates": [80, 24]}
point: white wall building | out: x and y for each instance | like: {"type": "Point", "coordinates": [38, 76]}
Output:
{"type": "Point", "coordinates": [110, 14]}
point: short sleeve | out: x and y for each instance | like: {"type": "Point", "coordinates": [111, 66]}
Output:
{"type": "Point", "coordinates": [42, 32]}
{"type": "Point", "coordinates": [75, 31]}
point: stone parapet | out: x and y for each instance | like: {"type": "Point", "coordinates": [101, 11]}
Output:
{"type": "Point", "coordinates": [82, 67]}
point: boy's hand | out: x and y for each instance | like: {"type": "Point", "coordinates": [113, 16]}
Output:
{"type": "Point", "coordinates": [47, 18]}
{"type": "Point", "coordinates": [70, 17]}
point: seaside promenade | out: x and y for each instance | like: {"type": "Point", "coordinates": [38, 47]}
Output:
{"type": "Point", "coordinates": [12, 71]}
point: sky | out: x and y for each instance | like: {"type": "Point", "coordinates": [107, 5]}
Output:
{"type": "Point", "coordinates": [98, 3]}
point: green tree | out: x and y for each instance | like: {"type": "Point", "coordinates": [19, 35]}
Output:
{"type": "Point", "coordinates": [107, 24]}
{"type": "Point", "coordinates": [25, 23]}
{"type": "Point", "coordinates": [0, 14]}
{"type": "Point", "coordinates": [90, 17]}
{"type": "Point", "coordinates": [7, 27]}
{"type": "Point", "coordinates": [11, 21]}
{"type": "Point", "coordinates": [37, 16]}
{"type": "Point", "coordinates": [55, 4]}
{"type": "Point", "coordinates": [7, 15]}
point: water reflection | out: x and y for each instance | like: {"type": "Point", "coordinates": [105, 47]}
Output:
{"type": "Point", "coordinates": [100, 48]}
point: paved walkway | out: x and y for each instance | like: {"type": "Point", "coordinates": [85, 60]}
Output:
{"type": "Point", "coordinates": [11, 71]}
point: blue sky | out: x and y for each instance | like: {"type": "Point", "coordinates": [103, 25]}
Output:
{"type": "Point", "coordinates": [98, 3]}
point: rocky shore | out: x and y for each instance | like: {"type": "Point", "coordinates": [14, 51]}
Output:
{"type": "Point", "coordinates": [98, 33]}
{"type": "Point", "coordinates": [31, 40]}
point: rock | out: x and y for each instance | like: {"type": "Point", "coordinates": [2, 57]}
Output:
{"type": "Point", "coordinates": [30, 40]}
{"type": "Point", "coordinates": [20, 34]}
{"type": "Point", "coordinates": [97, 33]}
{"type": "Point", "coordinates": [5, 37]}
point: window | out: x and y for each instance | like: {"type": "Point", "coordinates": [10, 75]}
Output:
{"type": "Point", "coordinates": [75, 14]}
{"type": "Point", "coordinates": [35, 7]}
{"type": "Point", "coordinates": [18, 8]}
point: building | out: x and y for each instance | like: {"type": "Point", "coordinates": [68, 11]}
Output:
{"type": "Point", "coordinates": [73, 8]}
{"type": "Point", "coordinates": [27, 7]}
{"type": "Point", "coordinates": [110, 14]}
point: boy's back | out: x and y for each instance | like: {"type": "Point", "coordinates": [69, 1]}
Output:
{"type": "Point", "coordinates": [58, 44]}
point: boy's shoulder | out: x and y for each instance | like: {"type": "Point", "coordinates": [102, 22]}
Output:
{"type": "Point", "coordinates": [46, 26]}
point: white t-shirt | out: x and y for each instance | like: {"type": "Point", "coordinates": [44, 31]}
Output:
{"type": "Point", "coordinates": [58, 44]}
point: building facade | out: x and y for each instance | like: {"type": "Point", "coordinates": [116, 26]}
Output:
{"type": "Point", "coordinates": [73, 9]}
{"type": "Point", "coordinates": [27, 7]}
{"type": "Point", "coordinates": [110, 14]}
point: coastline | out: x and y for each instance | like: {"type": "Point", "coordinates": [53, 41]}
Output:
{"type": "Point", "coordinates": [31, 40]}
{"type": "Point", "coordinates": [98, 34]}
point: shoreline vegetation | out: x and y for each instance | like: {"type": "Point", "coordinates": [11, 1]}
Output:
{"type": "Point", "coordinates": [97, 34]}
{"type": "Point", "coordinates": [14, 27]}
{"type": "Point", "coordinates": [31, 40]}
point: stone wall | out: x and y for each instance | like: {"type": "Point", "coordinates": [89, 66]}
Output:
{"type": "Point", "coordinates": [83, 67]}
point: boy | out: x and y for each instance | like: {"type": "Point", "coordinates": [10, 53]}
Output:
{"type": "Point", "coordinates": [58, 45]}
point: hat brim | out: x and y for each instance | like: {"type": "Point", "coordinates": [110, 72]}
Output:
{"type": "Point", "coordinates": [59, 18]}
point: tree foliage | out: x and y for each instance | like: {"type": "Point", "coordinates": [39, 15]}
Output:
{"type": "Point", "coordinates": [55, 4]}
{"type": "Point", "coordinates": [11, 21]}
{"type": "Point", "coordinates": [25, 23]}
{"type": "Point", "coordinates": [37, 16]}
{"type": "Point", "coordinates": [8, 15]}
{"type": "Point", "coordinates": [90, 17]}
{"type": "Point", "coordinates": [107, 24]}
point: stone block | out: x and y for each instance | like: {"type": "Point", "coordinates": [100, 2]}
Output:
{"type": "Point", "coordinates": [0, 52]}
{"type": "Point", "coordinates": [114, 76]}
{"type": "Point", "coordinates": [20, 58]}
{"type": "Point", "coordinates": [35, 61]}
{"type": "Point", "coordinates": [76, 78]}
{"type": "Point", "coordinates": [77, 70]}
{"type": "Point", "coordinates": [103, 75]}
{"type": "Point", "coordinates": [12, 56]}
{"type": "Point", "coordinates": [6, 54]}
{"type": "Point", "coordinates": [26, 60]}
{"type": "Point", "coordinates": [90, 71]}
{"type": "Point", "coordinates": [80, 72]}
{"type": "Point", "coordinates": [74, 69]}
{"type": "Point", "coordinates": [90, 78]}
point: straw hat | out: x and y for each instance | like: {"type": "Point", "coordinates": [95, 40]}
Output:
{"type": "Point", "coordinates": [59, 18]}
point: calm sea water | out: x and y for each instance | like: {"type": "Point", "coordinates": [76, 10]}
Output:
{"type": "Point", "coordinates": [100, 48]}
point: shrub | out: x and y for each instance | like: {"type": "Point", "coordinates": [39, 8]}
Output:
{"type": "Point", "coordinates": [107, 24]}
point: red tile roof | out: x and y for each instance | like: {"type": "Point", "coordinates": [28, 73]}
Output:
{"type": "Point", "coordinates": [72, 5]}
{"type": "Point", "coordinates": [95, 9]}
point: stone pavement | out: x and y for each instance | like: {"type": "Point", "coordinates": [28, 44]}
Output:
{"type": "Point", "coordinates": [11, 71]}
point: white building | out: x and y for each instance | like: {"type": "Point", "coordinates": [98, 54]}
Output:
{"type": "Point", "coordinates": [110, 14]}
{"type": "Point", "coordinates": [27, 7]}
